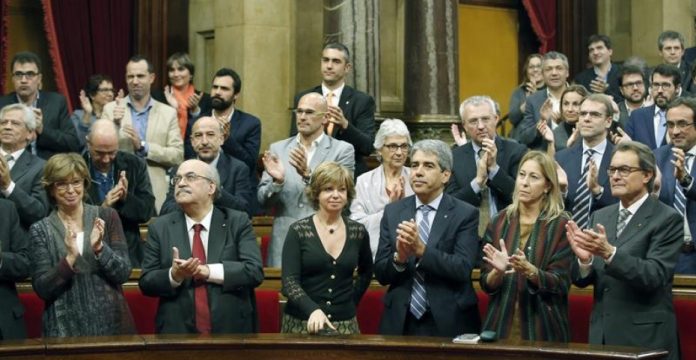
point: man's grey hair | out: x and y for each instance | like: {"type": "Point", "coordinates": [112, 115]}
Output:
{"type": "Point", "coordinates": [478, 100]}
{"type": "Point", "coordinates": [555, 55]}
{"type": "Point", "coordinates": [212, 174]}
{"type": "Point", "coordinates": [437, 148]}
{"type": "Point", "coordinates": [391, 127]}
{"type": "Point", "coordinates": [27, 114]}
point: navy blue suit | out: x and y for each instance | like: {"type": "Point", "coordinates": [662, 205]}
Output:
{"type": "Point", "coordinates": [570, 160]}
{"type": "Point", "coordinates": [641, 127]}
{"type": "Point", "coordinates": [687, 262]}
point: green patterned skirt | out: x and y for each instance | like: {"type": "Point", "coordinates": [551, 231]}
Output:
{"type": "Point", "coordinates": [293, 325]}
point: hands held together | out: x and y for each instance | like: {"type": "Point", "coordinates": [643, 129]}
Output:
{"type": "Point", "coordinates": [502, 262]}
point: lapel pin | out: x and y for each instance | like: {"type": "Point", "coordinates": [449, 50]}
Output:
{"type": "Point", "coordinates": [445, 216]}
{"type": "Point", "coordinates": [223, 224]}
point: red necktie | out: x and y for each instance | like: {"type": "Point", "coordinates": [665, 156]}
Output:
{"type": "Point", "coordinates": [200, 288]}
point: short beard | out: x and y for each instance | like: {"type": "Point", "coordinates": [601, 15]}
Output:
{"type": "Point", "coordinates": [219, 104]}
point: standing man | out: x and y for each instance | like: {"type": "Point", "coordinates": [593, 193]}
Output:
{"type": "Point", "coordinates": [16, 266]}
{"type": "Point", "coordinates": [628, 256]}
{"type": "Point", "coordinates": [236, 191]}
{"type": "Point", "coordinates": [202, 262]}
{"type": "Point", "coordinates": [20, 170]}
{"type": "Point", "coordinates": [586, 162]}
{"type": "Point", "coordinates": [351, 112]}
{"type": "Point", "coordinates": [633, 85]}
{"type": "Point", "coordinates": [485, 167]}
{"type": "Point", "coordinates": [676, 163]}
{"type": "Point", "coordinates": [148, 128]}
{"type": "Point", "coordinates": [545, 104]}
{"type": "Point", "coordinates": [648, 125]}
{"type": "Point", "coordinates": [54, 130]}
{"type": "Point", "coordinates": [670, 44]}
{"type": "Point", "coordinates": [119, 181]}
{"type": "Point", "coordinates": [241, 130]}
{"type": "Point", "coordinates": [602, 76]}
{"type": "Point", "coordinates": [427, 249]}
{"type": "Point", "coordinates": [288, 167]}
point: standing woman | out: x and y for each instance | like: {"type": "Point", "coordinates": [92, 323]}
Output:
{"type": "Point", "coordinates": [98, 92]}
{"type": "Point", "coordinates": [531, 82]}
{"type": "Point", "coordinates": [79, 258]}
{"type": "Point", "coordinates": [527, 258]}
{"type": "Point", "coordinates": [566, 133]}
{"type": "Point", "coordinates": [320, 254]}
{"type": "Point", "coordinates": [385, 184]}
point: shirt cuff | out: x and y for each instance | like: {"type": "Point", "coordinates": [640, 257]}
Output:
{"type": "Point", "coordinates": [217, 273]}
{"type": "Point", "coordinates": [9, 190]}
{"type": "Point", "coordinates": [585, 269]}
{"type": "Point", "coordinates": [143, 152]}
{"type": "Point", "coordinates": [598, 196]}
{"type": "Point", "coordinates": [494, 172]}
{"type": "Point", "coordinates": [611, 257]}
{"type": "Point", "coordinates": [175, 284]}
{"type": "Point", "coordinates": [475, 186]}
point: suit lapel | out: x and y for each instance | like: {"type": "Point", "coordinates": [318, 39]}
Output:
{"type": "Point", "coordinates": [321, 152]}
{"type": "Point", "coordinates": [639, 219]}
{"type": "Point", "coordinates": [440, 222]}
{"type": "Point", "coordinates": [469, 158]}
{"type": "Point", "coordinates": [21, 166]}
{"type": "Point", "coordinates": [603, 178]}
{"type": "Point", "coordinates": [610, 224]}
{"type": "Point", "coordinates": [216, 237]}
{"type": "Point", "coordinates": [223, 166]}
{"type": "Point", "coordinates": [180, 238]}
{"type": "Point", "coordinates": [574, 171]}
{"type": "Point", "coordinates": [651, 127]}
{"type": "Point", "coordinates": [346, 97]}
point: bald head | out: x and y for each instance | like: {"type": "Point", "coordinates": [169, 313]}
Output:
{"type": "Point", "coordinates": [102, 143]}
{"type": "Point", "coordinates": [207, 138]}
{"type": "Point", "coordinates": [316, 100]}
{"type": "Point", "coordinates": [103, 128]}
{"type": "Point", "coordinates": [311, 116]}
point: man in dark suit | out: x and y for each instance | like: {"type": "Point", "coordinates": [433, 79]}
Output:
{"type": "Point", "coordinates": [14, 266]}
{"type": "Point", "coordinates": [634, 88]}
{"type": "Point", "coordinates": [54, 130]}
{"type": "Point", "coordinates": [602, 76]}
{"type": "Point", "coordinates": [677, 189]}
{"type": "Point", "coordinates": [20, 170]}
{"type": "Point", "coordinates": [351, 112]}
{"type": "Point", "coordinates": [241, 130]}
{"type": "Point", "coordinates": [236, 191]}
{"type": "Point", "coordinates": [201, 261]}
{"type": "Point", "coordinates": [670, 44]}
{"type": "Point", "coordinates": [629, 257]}
{"type": "Point", "coordinates": [119, 181]}
{"type": "Point", "coordinates": [647, 125]}
{"type": "Point", "coordinates": [487, 164]}
{"type": "Point", "coordinates": [427, 250]}
{"type": "Point", "coordinates": [587, 161]}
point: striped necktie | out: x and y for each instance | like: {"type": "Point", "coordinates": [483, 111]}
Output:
{"type": "Point", "coordinates": [583, 197]}
{"type": "Point", "coordinates": [419, 300]}
{"type": "Point", "coordinates": [621, 223]}
{"type": "Point", "coordinates": [679, 196]}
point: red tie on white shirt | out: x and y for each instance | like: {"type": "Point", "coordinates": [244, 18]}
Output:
{"type": "Point", "coordinates": [200, 294]}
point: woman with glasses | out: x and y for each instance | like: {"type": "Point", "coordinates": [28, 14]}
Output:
{"type": "Point", "coordinates": [527, 258]}
{"type": "Point", "coordinates": [320, 255]}
{"type": "Point", "coordinates": [532, 81]}
{"type": "Point", "coordinates": [98, 92]}
{"type": "Point", "coordinates": [385, 184]}
{"type": "Point", "coordinates": [79, 258]}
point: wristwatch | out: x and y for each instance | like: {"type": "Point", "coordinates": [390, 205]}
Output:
{"type": "Point", "coordinates": [686, 181]}
{"type": "Point", "coordinates": [142, 145]}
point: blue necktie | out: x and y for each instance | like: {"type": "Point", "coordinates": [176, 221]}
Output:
{"type": "Point", "coordinates": [583, 198]}
{"type": "Point", "coordinates": [419, 300]}
{"type": "Point", "coordinates": [679, 197]}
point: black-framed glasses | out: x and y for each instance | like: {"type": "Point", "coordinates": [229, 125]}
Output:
{"type": "Point", "coordinates": [681, 125]}
{"type": "Point", "coordinates": [65, 185]}
{"type": "Point", "coordinates": [189, 177]}
{"type": "Point", "coordinates": [624, 171]}
{"type": "Point", "coordinates": [663, 86]}
{"type": "Point", "coordinates": [394, 147]}
{"type": "Point", "coordinates": [21, 74]}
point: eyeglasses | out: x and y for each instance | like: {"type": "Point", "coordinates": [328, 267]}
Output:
{"type": "Point", "coordinates": [189, 177]}
{"type": "Point", "coordinates": [635, 84]}
{"type": "Point", "coordinates": [624, 171]}
{"type": "Point", "coordinates": [19, 75]}
{"type": "Point", "coordinates": [65, 185]}
{"type": "Point", "coordinates": [394, 147]}
{"type": "Point", "coordinates": [592, 114]}
{"type": "Point", "coordinates": [663, 86]}
{"type": "Point", "coordinates": [106, 90]}
{"type": "Point", "coordinates": [681, 125]}
{"type": "Point", "coordinates": [300, 112]}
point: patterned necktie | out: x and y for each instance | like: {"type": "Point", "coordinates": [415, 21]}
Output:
{"type": "Point", "coordinates": [583, 197]}
{"type": "Point", "coordinates": [661, 128]}
{"type": "Point", "coordinates": [485, 206]}
{"type": "Point", "coordinates": [419, 300]}
{"type": "Point", "coordinates": [200, 288]}
{"type": "Point", "coordinates": [621, 224]}
{"type": "Point", "coordinates": [329, 102]}
{"type": "Point", "coordinates": [679, 197]}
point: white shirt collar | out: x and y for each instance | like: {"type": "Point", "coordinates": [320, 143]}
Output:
{"type": "Point", "coordinates": [205, 221]}
{"type": "Point", "coordinates": [435, 204]}
{"type": "Point", "coordinates": [636, 205]}
{"type": "Point", "coordinates": [599, 148]}
{"type": "Point", "coordinates": [337, 92]}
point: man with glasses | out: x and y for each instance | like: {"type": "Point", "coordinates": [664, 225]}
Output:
{"type": "Point", "coordinates": [119, 181]}
{"type": "Point", "coordinates": [288, 168]}
{"type": "Point", "coordinates": [236, 191]}
{"type": "Point", "coordinates": [202, 262]}
{"type": "Point", "coordinates": [485, 167]}
{"type": "Point", "coordinates": [648, 125]}
{"type": "Point", "coordinates": [633, 86]}
{"type": "Point", "coordinates": [20, 170]}
{"type": "Point", "coordinates": [351, 113]}
{"type": "Point", "coordinates": [586, 162]}
{"type": "Point", "coordinates": [676, 163]}
{"type": "Point", "coordinates": [602, 76]}
{"type": "Point", "coordinates": [54, 131]}
{"type": "Point", "coordinates": [628, 255]}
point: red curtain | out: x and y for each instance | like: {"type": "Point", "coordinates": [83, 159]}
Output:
{"type": "Point", "coordinates": [542, 14]}
{"type": "Point", "coordinates": [3, 43]}
{"type": "Point", "coordinates": [88, 37]}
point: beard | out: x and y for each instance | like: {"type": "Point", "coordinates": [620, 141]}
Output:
{"type": "Point", "coordinates": [220, 104]}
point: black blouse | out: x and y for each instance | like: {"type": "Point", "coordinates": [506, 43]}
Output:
{"type": "Point", "coordinates": [313, 279]}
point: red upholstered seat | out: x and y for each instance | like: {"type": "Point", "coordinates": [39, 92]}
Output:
{"type": "Point", "coordinates": [370, 311]}
{"type": "Point", "coordinates": [265, 241]}
{"type": "Point", "coordinates": [267, 305]}
{"type": "Point", "coordinates": [33, 309]}
{"type": "Point", "coordinates": [143, 308]}
{"type": "Point", "coordinates": [686, 314]}
{"type": "Point", "coordinates": [579, 309]}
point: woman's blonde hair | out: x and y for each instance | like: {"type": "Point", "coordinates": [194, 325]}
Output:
{"type": "Point", "coordinates": [326, 174]}
{"type": "Point", "coordinates": [62, 167]}
{"type": "Point", "coordinates": [552, 202]}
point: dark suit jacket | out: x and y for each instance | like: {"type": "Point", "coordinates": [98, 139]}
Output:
{"type": "Point", "coordinates": [447, 263]}
{"type": "Point", "coordinates": [204, 104]}
{"type": "Point", "coordinates": [139, 205]}
{"type": "Point", "coordinates": [641, 127]}
{"type": "Point", "coordinates": [633, 294]}
{"type": "Point", "coordinates": [663, 156]}
{"type": "Point", "coordinates": [502, 185]}
{"type": "Point", "coordinates": [59, 134]}
{"type": "Point", "coordinates": [29, 195]}
{"type": "Point", "coordinates": [14, 256]}
{"type": "Point", "coordinates": [232, 243]}
{"type": "Point", "coordinates": [528, 134]}
{"type": "Point", "coordinates": [359, 109]}
{"type": "Point", "coordinates": [586, 76]}
{"type": "Point", "coordinates": [570, 160]}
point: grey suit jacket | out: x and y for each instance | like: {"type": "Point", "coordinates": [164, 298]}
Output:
{"type": "Point", "coordinates": [28, 195]}
{"type": "Point", "coordinates": [633, 293]}
{"type": "Point", "coordinates": [288, 199]}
